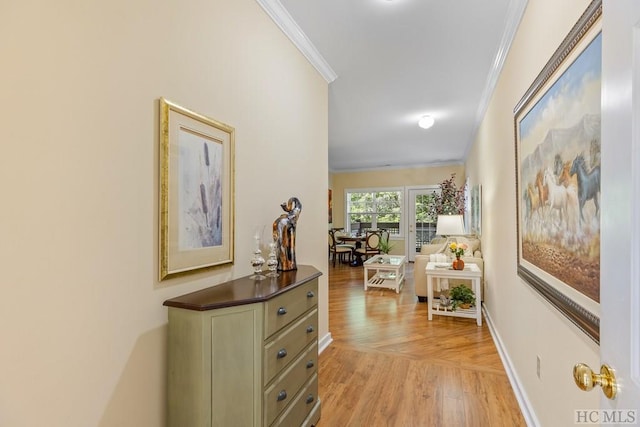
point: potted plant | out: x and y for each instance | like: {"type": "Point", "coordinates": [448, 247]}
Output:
{"type": "Point", "coordinates": [457, 249]}
{"type": "Point", "coordinates": [385, 246]}
{"type": "Point", "coordinates": [462, 296]}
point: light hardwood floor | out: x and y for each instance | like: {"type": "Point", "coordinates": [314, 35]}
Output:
{"type": "Point", "coordinates": [389, 366]}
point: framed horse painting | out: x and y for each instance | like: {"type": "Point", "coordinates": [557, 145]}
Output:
{"type": "Point", "coordinates": [557, 146]}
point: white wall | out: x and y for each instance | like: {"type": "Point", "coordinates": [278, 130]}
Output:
{"type": "Point", "coordinates": [82, 324]}
{"type": "Point", "coordinates": [528, 326]}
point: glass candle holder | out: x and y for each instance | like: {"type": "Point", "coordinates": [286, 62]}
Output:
{"type": "Point", "coordinates": [272, 261]}
{"type": "Point", "coordinates": [257, 261]}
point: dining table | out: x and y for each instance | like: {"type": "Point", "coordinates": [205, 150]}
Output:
{"type": "Point", "coordinates": [357, 258]}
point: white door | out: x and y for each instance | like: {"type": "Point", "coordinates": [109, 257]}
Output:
{"type": "Point", "coordinates": [420, 230]}
{"type": "Point", "coordinates": [620, 216]}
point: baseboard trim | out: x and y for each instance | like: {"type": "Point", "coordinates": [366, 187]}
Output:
{"type": "Point", "coordinates": [324, 342]}
{"type": "Point", "coordinates": [521, 396]}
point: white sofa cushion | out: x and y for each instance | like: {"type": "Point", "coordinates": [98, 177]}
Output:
{"type": "Point", "coordinates": [438, 245]}
{"type": "Point", "coordinates": [464, 241]}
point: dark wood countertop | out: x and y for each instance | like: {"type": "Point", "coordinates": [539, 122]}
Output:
{"type": "Point", "coordinates": [244, 290]}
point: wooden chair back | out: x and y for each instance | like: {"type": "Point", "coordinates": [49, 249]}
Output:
{"type": "Point", "coordinates": [338, 250]}
{"type": "Point", "coordinates": [372, 241]}
{"type": "Point", "coordinates": [332, 240]}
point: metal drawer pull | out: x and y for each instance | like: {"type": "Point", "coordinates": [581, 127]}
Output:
{"type": "Point", "coordinates": [310, 398]}
{"type": "Point", "coordinates": [310, 364]}
{"type": "Point", "coordinates": [309, 329]}
{"type": "Point", "coordinates": [282, 353]}
{"type": "Point", "coordinates": [282, 311]}
{"type": "Point", "coordinates": [282, 395]}
{"type": "Point", "coordinates": [310, 294]}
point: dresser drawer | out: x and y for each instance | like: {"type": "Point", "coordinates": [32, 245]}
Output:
{"type": "Point", "coordinates": [285, 346]}
{"type": "Point", "coordinates": [304, 403]}
{"type": "Point", "coordinates": [284, 308]}
{"type": "Point", "coordinates": [286, 385]}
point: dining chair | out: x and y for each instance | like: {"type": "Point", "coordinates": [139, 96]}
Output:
{"type": "Point", "coordinates": [371, 243]}
{"type": "Point", "coordinates": [338, 250]}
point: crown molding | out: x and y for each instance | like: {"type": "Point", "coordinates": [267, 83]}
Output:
{"type": "Point", "coordinates": [290, 28]}
{"type": "Point", "coordinates": [398, 167]}
{"type": "Point", "coordinates": [513, 18]}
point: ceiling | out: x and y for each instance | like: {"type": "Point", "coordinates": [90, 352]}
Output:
{"type": "Point", "coordinates": [389, 62]}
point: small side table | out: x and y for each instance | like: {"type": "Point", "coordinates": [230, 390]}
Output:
{"type": "Point", "coordinates": [389, 272]}
{"type": "Point", "coordinates": [470, 272]}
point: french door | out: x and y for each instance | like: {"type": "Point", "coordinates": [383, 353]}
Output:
{"type": "Point", "coordinates": [421, 228]}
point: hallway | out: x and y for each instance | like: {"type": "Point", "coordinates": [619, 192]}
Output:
{"type": "Point", "coordinates": [389, 366]}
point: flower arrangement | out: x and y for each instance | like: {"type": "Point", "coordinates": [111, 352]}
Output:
{"type": "Point", "coordinates": [458, 248]}
{"type": "Point", "coordinates": [449, 201]}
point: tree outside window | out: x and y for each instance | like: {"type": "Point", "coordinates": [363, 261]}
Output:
{"type": "Point", "coordinates": [375, 209]}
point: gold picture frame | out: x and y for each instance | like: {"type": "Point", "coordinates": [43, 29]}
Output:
{"type": "Point", "coordinates": [558, 176]}
{"type": "Point", "coordinates": [196, 191]}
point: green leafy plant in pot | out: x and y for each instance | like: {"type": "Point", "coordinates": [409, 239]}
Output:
{"type": "Point", "coordinates": [385, 246]}
{"type": "Point", "coordinates": [462, 296]}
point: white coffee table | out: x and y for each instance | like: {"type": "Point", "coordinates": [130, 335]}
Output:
{"type": "Point", "coordinates": [389, 272]}
{"type": "Point", "coordinates": [435, 271]}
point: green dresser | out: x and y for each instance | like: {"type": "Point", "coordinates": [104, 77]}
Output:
{"type": "Point", "coordinates": [245, 353]}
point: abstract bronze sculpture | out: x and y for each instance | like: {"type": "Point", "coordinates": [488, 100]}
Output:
{"type": "Point", "coordinates": [284, 234]}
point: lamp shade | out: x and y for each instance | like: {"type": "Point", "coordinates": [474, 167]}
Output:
{"type": "Point", "coordinates": [449, 225]}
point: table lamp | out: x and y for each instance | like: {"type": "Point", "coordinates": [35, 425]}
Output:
{"type": "Point", "coordinates": [449, 225]}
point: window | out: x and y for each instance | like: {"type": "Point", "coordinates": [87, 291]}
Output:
{"type": "Point", "coordinates": [375, 209]}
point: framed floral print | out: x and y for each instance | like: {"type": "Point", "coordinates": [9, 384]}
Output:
{"type": "Point", "coordinates": [196, 191]}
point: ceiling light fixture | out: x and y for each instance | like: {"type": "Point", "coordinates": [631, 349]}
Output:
{"type": "Point", "coordinates": [426, 122]}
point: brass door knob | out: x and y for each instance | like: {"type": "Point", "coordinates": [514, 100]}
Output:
{"type": "Point", "coordinates": [586, 379]}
